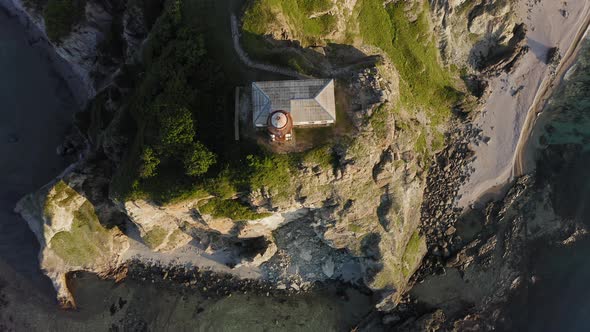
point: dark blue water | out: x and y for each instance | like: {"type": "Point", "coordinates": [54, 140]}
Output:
{"type": "Point", "coordinates": [560, 301]}
{"type": "Point", "coordinates": [36, 110]}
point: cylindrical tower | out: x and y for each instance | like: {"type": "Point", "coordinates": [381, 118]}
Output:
{"type": "Point", "coordinates": [280, 126]}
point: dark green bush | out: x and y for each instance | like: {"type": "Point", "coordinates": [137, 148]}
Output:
{"type": "Point", "coordinates": [61, 16]}
{"type": "Point", "coordinates": [220, 208]}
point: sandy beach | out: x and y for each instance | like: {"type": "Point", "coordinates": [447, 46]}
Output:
{"type": "Point", "coordinates": [508, 117]}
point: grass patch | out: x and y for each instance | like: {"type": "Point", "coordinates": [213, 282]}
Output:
{"type": "Point", "coordinates": [233, 209]}
{"type": "Point", "coordinates": [85, 242]}
{"type": "Point", "coordinates": [412, 254]}
{"type": "Point", "coordinates": [61, 16]}
{"type": "Point", "coordinates": [155, 237]}
{"type": "Point", "coordinates": [322, 156]}
{"type": "Point", "coordinates": [61, 195]}
{"type": "Point", "coordinates": [379, 120]}
{"type": "Point", "coordinates": [425, 84]}
{"type": "Point", "coordinates": [262, 14]}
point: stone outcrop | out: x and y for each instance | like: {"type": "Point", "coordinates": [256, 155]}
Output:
{"type": "Point", "coordinates": [470, 30]}
{"type": "Point", "coordinates": [71, 235]}
{"type": "Point", "coordinates": [87, 68]}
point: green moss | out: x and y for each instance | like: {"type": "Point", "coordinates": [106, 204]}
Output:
{"type": "Point", "coordinates": [464, 8]}
{"type": "Point", "coordinates": [379, 120]}
{"type": "Point", "coordinates": [61, 16]}
{"type": "Point", "coordinates": [85, 242]}
{"type": "Point", "coordinates": [412, 254]}
{"type": "Point", "coordinates": [420, 145]}
{"type": "Point", "coordinates": [355, 228]}
{"type": "Point", "coordinates": [175, 237]}
{"type": "Point", "coordinates": [155, 237]}
{"type": "Point", "coordinates": [233, 209]}
{"type": "Point", "coordinates": [62, 196]}
{"type": "Point", "coordinates": [385, 278]}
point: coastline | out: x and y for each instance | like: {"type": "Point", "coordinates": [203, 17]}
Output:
{"type": "Point", "coordinates": [524, 158]}
{"type": "Point", "coordinates": [509, 113]}
{"type": "Point", "coordinates": [31, 128]}
{"type": "Point", "coordinates": [38, 39]}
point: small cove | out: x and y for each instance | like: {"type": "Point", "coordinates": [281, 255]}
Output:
{"type": "Point", "coordinates": [36, 113]}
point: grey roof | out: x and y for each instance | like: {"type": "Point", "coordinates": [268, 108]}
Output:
{"type": "Point", "coordinates": [308, 101]}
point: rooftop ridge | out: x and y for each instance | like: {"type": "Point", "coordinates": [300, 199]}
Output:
{"type": "Point", "coordinates": [319, 100]}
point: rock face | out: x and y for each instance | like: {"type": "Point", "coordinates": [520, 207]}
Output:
{"type": "Point", "coordinates": [71, 235]}
{"type": "Point", "coordinates": [491, 268]}
{"type": "Point", "coordinates": [360, 218]}
{"type": "Point", "coordinates": [85, 49]}
{"type": "Point", "coordinates": [159, 230]}
{"type": "Point", "coordinates": [470, 31]}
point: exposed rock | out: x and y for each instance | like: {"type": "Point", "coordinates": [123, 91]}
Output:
{"type": "Point", "coordinates": [71, 236]}
{"type": "Point", "coordinates": [82, 48]}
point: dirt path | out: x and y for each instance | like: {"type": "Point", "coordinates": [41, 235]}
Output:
{"type": "Point", "coordinates": [252, 64]}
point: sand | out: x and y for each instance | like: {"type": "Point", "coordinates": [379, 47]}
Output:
{"type": "Point", "coordinates": [508, 119]}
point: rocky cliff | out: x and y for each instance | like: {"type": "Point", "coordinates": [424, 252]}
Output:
{"type": "Point", "coordinates": [355, 218]}
{"type": "Point", "coordinates": [107, 35]}
{"type": "Point", "coordinates": [72, 238]}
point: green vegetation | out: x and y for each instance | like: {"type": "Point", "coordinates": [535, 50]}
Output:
{"type": "Point", "coordinates": [175, 238]}
{"type": "Point", "coordinates": [168, 154]}
{"type": "Point", "coordinates": [85, 242]}
{"type": "Point", "coordinates": [61, 195]}
{"type": "Point", "coordinates": [61, 16]}
{"type": "Point", "coordinates": [424, 82]}
{"type": "Point", "coordinates": [149, 163]}
{"type": "Point", "coordinates": [379, 120]}
{"type": "Point", "coordinates": [412, 254]}
{"type": "Point", "coordinates": [155, 237]}
{"type": "Point", "coordinates": [304, 20]}
{"type": "Point", "coordinates": [426, 87]}
{"type": "Point", "coordinates": [182, 143]}
{"type": "Point", "coordinates": [233, 209]}
{"type": "Point", "coordinates": [322, 156]}
{"type": "Point", "coordinates": [87, 239]}
{"type": "Point", "coordinates": [263, 13]}
{"type": "Point", "coordinates": [198, 159]}
{"type": "Point", "coordinates": [272, 172]}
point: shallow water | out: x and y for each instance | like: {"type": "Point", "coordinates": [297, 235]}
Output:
{"type": "Point", "coordinates": [560, 300]}
{"type": "Point", "coordinates": [133, 304]}
{"type": "Point", "coordinates": [35, 112]}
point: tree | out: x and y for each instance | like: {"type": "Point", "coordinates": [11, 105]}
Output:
{"type": "Point", "coordinates": [177, 130]}
{"type": "Point", "coordinates": [149, 163]}
{"type": "Point", "coordinates": [198, 159]}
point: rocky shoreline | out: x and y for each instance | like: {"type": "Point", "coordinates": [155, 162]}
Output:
{"type": "Point", "coordinates": [38, 39]}
{"type": "Point", "coordinates": [213, 284]}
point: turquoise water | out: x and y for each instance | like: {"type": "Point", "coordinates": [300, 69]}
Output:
{"type": "Point", "coordinates": [560, 300]}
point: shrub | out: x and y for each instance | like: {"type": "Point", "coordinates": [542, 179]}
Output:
{"type": "Point", "coordinates": [149, 163]}
{"type": "Point", "coordinates": [198, 160]}
{"type": "Point", "coordinates": [232, 209]}
{"type": "Point", "coordinates": [176, 129]}
{"type": "Point", "coordinates": [271, 172]}
{"type": "Point", "coordinates": [322, 156]}
{"type": "Point", "coordinates": [60, 16]}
